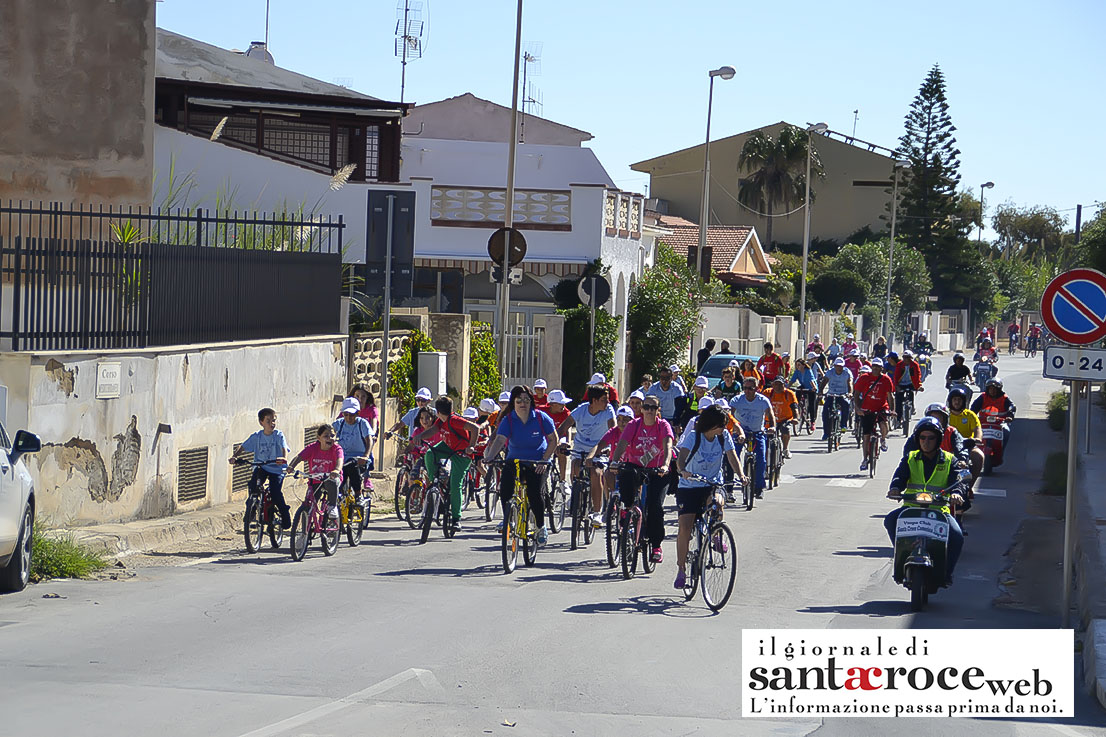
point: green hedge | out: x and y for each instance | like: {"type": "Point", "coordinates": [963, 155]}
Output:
{"type": "Point", "coordinates": [403, 374]}
{"type": "Point", "coordinates": [484, 375]}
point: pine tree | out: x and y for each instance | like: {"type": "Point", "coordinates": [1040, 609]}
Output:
{"type": "Point", "coordinates": [928, 213]}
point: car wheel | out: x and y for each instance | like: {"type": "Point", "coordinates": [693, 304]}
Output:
{"type": "Point", "coordinates": [17, 572]}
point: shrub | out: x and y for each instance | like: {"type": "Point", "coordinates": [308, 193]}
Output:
{"type": "Point", "coordinates": [61, 557]}
{"type": "Point", "coordinates": [1054, 481]}
{"type": "Point", "coordinates": [403, 374]}
{"type": "Point", "coordinates": [1057, 409]}
{"type": "Point", "coordinates": [574, 359]}
{"type": "Point", "coordinates": [484, 378]}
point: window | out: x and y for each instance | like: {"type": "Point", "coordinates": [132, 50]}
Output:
{"type": "Point", "coordinates": [372, 152]}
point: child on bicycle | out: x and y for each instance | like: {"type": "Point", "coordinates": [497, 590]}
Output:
{"type": "Point", "coordinates": [324, 456]}
{"type": "Point", "coordinates": [700, 454]}
{"type": "Point", "coordinates": [269, 447]}
{"type": "Point", "coordinates": [456, 439]}
{"type": "Point", "coordinates": [355, 436]}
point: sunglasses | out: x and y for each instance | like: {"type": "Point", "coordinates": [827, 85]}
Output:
{"type": "Point", "coordinates": [651, 407]}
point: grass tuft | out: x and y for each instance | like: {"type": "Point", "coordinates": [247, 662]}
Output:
{"type": "Point", "coordinates": [1057, 409]}
{"type": "Point", "coordinates": [62, 557]}
{"type": "Point", "coordinates": [1054, 480]}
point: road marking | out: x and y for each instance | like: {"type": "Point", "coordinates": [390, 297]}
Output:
{"type": "Point", "coordinates": [425, 677]}
{"type": "Point", "coordinates": [848, 483]}
{"type": "Point", "coordinates": [197, 562]}
{"type": "Point", "coordinates": [786, 478]}
{"type": "Point", "coordinates": [1001, 493]}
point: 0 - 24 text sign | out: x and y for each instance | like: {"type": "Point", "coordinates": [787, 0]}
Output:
{"type": "Point", "coordinates": [1076, 364]}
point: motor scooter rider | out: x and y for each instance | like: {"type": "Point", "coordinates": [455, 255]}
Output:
{"type": "Point", "coordinates": [951, 442]}
{"type": "Point", "coordinates": [929, 469]}
{"type": "Point", "coordinates": [967, 424]}
{"type": "Point", "coordinates": [987, 350]}
{"type": "Point", "coordinates": [994, 399]}
{"type": "Point", "coordinates": [923, 346]}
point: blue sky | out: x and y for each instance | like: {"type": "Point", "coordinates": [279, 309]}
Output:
{"type": "Point", "coordinates": [1024, 78]}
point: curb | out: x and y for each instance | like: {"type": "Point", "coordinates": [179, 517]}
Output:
{"type": "Point", "coordinates": [128, 538]}
{"type": "Point", "coordinates": [1090, 583]}
{"type": "Point", "coordinates": [1094, 660]}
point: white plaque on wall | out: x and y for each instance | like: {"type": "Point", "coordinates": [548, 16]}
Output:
{"type": "Point", "coordinates": [108, 377]}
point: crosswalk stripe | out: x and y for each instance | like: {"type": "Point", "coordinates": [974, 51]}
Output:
{"type": "Point", "coordinates": [1001, 493]}
{"type": "Point", "coordinates": [848, 483]}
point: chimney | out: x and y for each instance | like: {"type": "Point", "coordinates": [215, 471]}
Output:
{"type": "Point", "coordinates": [258, 50]}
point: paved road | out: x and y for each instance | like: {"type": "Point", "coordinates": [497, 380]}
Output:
{"type": "Point", "coordinates": [398, 639]}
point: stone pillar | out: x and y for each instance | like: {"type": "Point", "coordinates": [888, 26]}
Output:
{"type": "Point", "coordinates": [552, 349]}
{"type": "Point", "coordinates": [450, 333]}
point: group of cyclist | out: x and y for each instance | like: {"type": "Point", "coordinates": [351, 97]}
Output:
{"type": "Point", "coordinates": [665, 434]}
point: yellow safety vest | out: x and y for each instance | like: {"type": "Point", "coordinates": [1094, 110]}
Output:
{"type": "Point", "coordinates": [936, 483]}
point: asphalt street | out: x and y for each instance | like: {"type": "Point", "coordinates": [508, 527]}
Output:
{"type": "Point", "coordinates": [393, 638]}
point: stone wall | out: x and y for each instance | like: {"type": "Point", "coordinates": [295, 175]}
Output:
{"type": "Point", "coordinates": [78, 101]}
{"type": "Point", "coordinates": [110, 460]}
{"type": "Point", "coordinates": [452, 334]}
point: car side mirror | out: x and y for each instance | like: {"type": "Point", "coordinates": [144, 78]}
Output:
{"type": "Point", "coordinates": [25, 442]}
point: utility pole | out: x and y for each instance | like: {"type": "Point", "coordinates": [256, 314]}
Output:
{"type": "Point", "coordinates": [509, 213]}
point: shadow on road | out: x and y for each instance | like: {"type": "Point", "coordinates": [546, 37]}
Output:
{"type": "Point", "coordinates": [668, 606]}
{"type": "Point", "coordinates": [482, 571]}
{"type": "Point", "coordinates": [868, 608]}
{"type": "Point", "coordinates": [867, 551]}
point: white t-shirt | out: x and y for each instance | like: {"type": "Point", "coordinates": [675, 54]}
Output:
{"type": "Point", "coordinates": [751, 413]}
{"type": "Point", "coordinates": [590, 428]}
{"type": "Point", "coordinates": [708, 459]}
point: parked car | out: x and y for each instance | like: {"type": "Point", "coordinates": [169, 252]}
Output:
{"type": "Point", "coordinates": [712, 369]}
{"type": "Point", "coordinates": [17, 509]}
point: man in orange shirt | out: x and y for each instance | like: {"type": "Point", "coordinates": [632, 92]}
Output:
{"type": "Point", "coordinates": [785, 405]}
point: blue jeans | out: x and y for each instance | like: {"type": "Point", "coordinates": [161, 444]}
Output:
{"type": "Point", "coordinates": [761, 466]}
{"type": "Point", "coordinates": [956, 536]}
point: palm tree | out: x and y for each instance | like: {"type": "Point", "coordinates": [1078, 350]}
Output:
{"type": "Point", "coordinates": [776, 170]}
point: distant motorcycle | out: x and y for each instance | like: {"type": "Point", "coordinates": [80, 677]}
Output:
{"type": "Point", "coordinates": [984, 371]}
{"type": "Point", "coordinates": [995, 428]}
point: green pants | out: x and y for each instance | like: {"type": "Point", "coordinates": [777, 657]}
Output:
{"type": "Point", "coordinates": [458, 467]}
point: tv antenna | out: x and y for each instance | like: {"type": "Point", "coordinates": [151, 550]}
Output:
{"type": "Point", "coordinates": [531, 96]}
{"type": "Point", "coordinates": [856, 117]}
{"type": "Point", "coordinates": [411, 33]}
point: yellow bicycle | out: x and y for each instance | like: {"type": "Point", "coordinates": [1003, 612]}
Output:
{"type": "Point", "coordinates": [353, 514]}
{"type": "Point", "coordinates": [519, 526]}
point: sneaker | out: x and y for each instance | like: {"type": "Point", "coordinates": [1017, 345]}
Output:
{"type": "Point", "coordinates": [657, 556]}
{"type": "Point", "coordinates": [864, 465]}
{"type": "Point", "coordinates": [456, 525]}
{"type": "Point", "coordinates": [543, 536]}
{"type": "Point", "coordinates": [787, 454]}
{"type": "Point", "coordinates": [499, 527]}
{"type": "Point", "coordinates": [681, 580]}
{"type": "Point", "coordinates": [333, 513]}
{"type": "Point", "coordinates": [721, 545]}
{"type": "Point", "coordinates": [759, 494]}
{"type": "Point", "coordinates": [883, 446]}
{"type": "Point", "coordinates": [730, 499]}
{"type": "Point", "coordinates": [597, 520]}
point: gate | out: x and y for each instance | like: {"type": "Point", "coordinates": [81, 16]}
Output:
{"type": "Point", "coordinates": [524, 356]}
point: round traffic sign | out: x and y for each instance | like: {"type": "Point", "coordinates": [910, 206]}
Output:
{"type": "Point", "coordinates": [602, 290]}
{"type": "Point", "coordinates": [496, 245]}
{"type": "Point", "coordinates": [1074, 306]}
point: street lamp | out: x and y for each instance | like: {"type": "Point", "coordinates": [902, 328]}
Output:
{"type": "Point", "coordinates": [810, 131]}
{"type": "Point", "coordinates": [899, 166]}
{"type": "Point", "coordinates": [985, 185]}
{"type": "Point", "coordinates": [724, 73]}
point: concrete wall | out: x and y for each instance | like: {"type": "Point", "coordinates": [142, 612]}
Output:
{"type": "Point", "coordinates": [105, 460]}
{"type": "Point", "coordinates": [553, 347]}
{"type": "Point", "coordinates": [78, 100]}
{"type": "Point", "coordinates": [451, 333]}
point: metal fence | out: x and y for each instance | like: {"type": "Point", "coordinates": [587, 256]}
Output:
{"type": "Point", "coordinates": [79, 279]}
{"type": "Point", "coordinates": [524, 355]}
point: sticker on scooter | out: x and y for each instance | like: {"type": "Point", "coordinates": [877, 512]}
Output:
{"type": "Point", "coordinates": [936, 529]}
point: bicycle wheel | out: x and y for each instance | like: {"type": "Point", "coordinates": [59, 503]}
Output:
{"type": "Point", "coordinates": [530, 541]}
{"type": "Point", "coordinates": [413, 507]}
{"type": "Point", "coordinates": [477, 492]}
{"type": "Point", "coordinates": [491, 494]}
{"type": "Point", "coordinates": [401, 494]}
{"type": "Point", "coordinates": [718, 566]}
{"type": "Point", "coordinates": [873, 455]}
{"type": "Point", "coordinates": [614, 544]}
{"type": "Point", "coordinates": [446, 518]}
{"type": "Point", "coordinates": [466, 488]}
{"type": "Point", "coordinates": [429, 512]}
{"type": "Point", "coordinates": [578, 517]}
{"type": "Point", "coordinates": [747, 496]}
{"type": "Point", "coordinates": [355, 527]}
{"type": "Point", "coordinates": [628, 540]}
{"type": "Point", "coordinates": [300, 536]}
{"type": "Point", "coordinates": [589, 528]}
{"type": "Point", "coordinates": [771, 461]}
{"type": "Point", "coordinates": [332, 530]}
{"type": "Point", "coordinates": [691, 581]}
{"type": "Point", "coordinates": [558, 512]}
{"type": "Point", "coordinates": [252, 526]}
{"type": "Point", "coordinates": [276, 530]}
{"type": "Point", "coordinates": [646, 548]}
{"type": "Point", "coordinates": [510, 537]}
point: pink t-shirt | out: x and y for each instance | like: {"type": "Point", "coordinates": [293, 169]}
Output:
{"type": "Point", "coordinates": [646, 443]}
{"type": "Point", "coordinates": [318, 460]}
{"type": "Point", "coordinates": [611, 438]}
{"type": "Point", "coordinates": [371, 414]}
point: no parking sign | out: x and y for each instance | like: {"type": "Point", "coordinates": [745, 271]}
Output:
{"type": "Point", "coordinates": [1074, 306]}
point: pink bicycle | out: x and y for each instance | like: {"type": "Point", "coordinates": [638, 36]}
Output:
{"type": "Point", "coordinates": [312, 519]}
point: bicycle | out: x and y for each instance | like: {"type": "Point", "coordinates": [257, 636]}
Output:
{"type": "Point", "coordinates": [1031, 347]}
{"type": "Point", "coordinates": [613, 509]}
{"type": "Point", "coordinates": [519, 525]}
{"type": "Point", "coordinates": [711, 555]}
{"type": "Point", "coordinates": [907, 410]}
{"type": "Point", "coordinates": [874, 441]}
{"type": "Point", "coordinates": [437, 506]}
{"type": "Point", "coordinates": [806, 422]}
{"type": "Point", "coordinates": [581, 503]}
{"type": "Point", "coordinates": [261, 515]}
{"type": "Point", "coordinates": [470, 486]}
{"type": "Point", "coordinates": [833, 423]}
{"type": "Point", "coordinates": [749, 467]}
{"type": "Point", "coordinates": [1013, 344]}
{"type": "Point", "coordinates": [312, 519]}
{"type": "Point", "coordinates": [774, 459]}
{"type": "Point", "coordinates": [354, 513]}
{"type": "Point", "coordinates": [491, 492]}
{"type": "Point", "coordinates": [556, 505]}
{"type": "Point", "coordinates": [632, 523]}
{"type": "Point", "coordinates": [403, 475]}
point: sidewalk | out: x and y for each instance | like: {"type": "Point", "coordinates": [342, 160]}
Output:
{"type": "Point", "coordinates": [1090, 551]}
{"type": "Point", "coordinates": [121, 539]}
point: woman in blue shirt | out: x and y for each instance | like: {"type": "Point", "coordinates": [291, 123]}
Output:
{"type": "Point", "coordinates": [807, 378]}
{"type": "Point", "coordinates": [531, 437]}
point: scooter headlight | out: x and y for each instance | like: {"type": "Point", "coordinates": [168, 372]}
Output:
{"type": "Point", "coordinates": [924, 497]}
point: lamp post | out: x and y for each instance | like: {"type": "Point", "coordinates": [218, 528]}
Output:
{"type": "Point", "coordinates": [899, 166]}
{"type": "Point", "coordinates": [509, 212]}
{"type": "Point", "coordinates": [810, 131]}
{"type": "Point", "coordinates": [724, 73]}
{"type": "Point", "coordinates": [985, 185]}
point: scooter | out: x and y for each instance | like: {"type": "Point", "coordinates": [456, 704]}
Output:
{"type": "Point", "coordinates": [921, 546]}
{"type": "Point", "coordinates": [984, 371]}
{"type": "Point", "coordinates": [923, 365]}
{"type": "Point", "coordinates": [994, 434]}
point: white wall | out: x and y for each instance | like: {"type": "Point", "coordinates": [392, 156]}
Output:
{"type": "Point", "coordinates": [257, 183]}
{"type": "Point", "coordinates": [95, 467]}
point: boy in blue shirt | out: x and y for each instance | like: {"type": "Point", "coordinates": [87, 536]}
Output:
{"type": "Point", "coordinates": [269, 448]}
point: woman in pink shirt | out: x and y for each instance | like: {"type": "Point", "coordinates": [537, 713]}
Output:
{"type": "Point", "coordinates": [647, 442]}
{"type": "Point", "coordinates": [324, 456]}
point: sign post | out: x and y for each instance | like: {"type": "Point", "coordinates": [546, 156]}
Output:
{"type": "Point", "coordinates": [1073, 308]}
{"type": "Point", "coordinates": [594, 291]}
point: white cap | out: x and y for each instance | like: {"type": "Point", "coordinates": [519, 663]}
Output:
{"type": "Point", "coordinates": [811, 355]}
{"type": "Point", "coordinates": [701, 382]}
{"type": "Point", "coordinates": [351, 405]}
{"type": "Point", "coordinates": [850, 336]}
{"type": "Point", "coordinates": [558, 397]}
{"type": "Point", "coordinates": [839, 361]}
{"type": "Point", "coordinates": [854, 352]}
{"type": "Point", "coordinates": [487, 404]}
{"type": "Point", "coordinates": [865, 369]}
{"type": "Point", "coordinates": [910, 354]}
{"type": "Point", "coordinates": [424, 393]}
{"type": "Point", "coordinates": [720, 402]}
{"type": "Point", "coordinates": [674, 369]}
{"type": "Point", "coordinates": [817, 336]}
{"type": "Point", "coordinates": [877, 362]}
{"type": "Point", "coordinates": [734, 363]}
{"type": "Point", "coordinates": [504, 396]}
{"type": "Point", "coordinates": [637, 394]}
{"type": "Point", "coordinates": [471, 413]}
{"type": "Point", "coordinates": [786, 354]}
{"type": "Point", "coordinates": [597, 379]}
{"type": "Point", "coordinates": [540, 384]}
{"type": "Point", "coordinates": [625, 411]}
